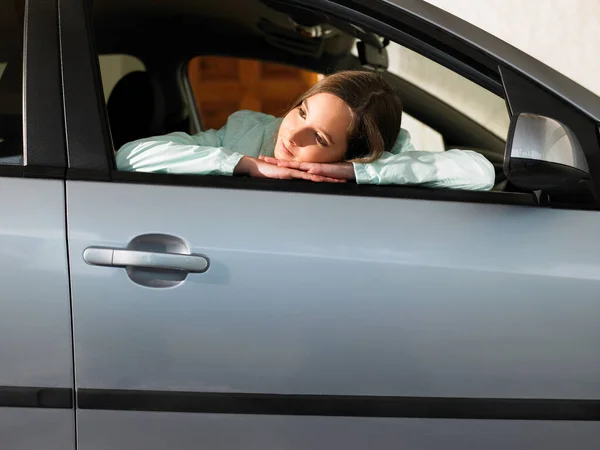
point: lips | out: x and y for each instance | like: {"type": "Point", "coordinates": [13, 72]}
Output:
{"type": "Point", "coordinates": [286, 150]}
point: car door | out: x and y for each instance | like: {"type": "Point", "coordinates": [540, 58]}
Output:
{"type": "Point", "coordinates": [255, 314]}
{"type": "Point", "coordinates": [36, 359]}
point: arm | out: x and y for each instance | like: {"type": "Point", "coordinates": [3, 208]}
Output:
{"type": "Point", "coordinates": [202, 154]}
{"type": "Point", "coordinates": [458, 169]}
{"type": "Point", "coordinates": [179, 153]}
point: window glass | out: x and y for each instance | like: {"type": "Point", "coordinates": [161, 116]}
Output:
{"type": "Point", "coordinates": [11, 74]}
{"type": "Point", "coordinates": [423, 137]}
{"type": "Point", "coordinates": [115, 67]}
{"type": "Point", "coordinates": [475, 102]}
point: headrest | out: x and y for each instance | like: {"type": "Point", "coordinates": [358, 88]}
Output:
{"type": "Point", "coordinates": [136, 108]}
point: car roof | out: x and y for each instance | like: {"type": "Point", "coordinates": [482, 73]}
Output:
{"type": "Point", "coordinates": [510, 56]}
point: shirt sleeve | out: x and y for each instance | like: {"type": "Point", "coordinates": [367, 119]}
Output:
{"type": "Point", "coordinates": [457, 169]}
{"type": "Point", "coordinates": [180, 153]}
{"type": "Point", "coordinates": [177, 153]}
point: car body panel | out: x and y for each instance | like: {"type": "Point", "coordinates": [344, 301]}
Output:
{"type": "Point", "coordinates": [35, 312]}
{"type": "Point", "coordinates": [35, 317]}
{"type": "Point", "coordinates": [310, 294]}
{"type": "Point", "coordinates": [157, 431]}
{"type": "Point", "coordinates": [30, 429]}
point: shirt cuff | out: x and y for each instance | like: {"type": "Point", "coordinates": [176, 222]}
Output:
{"type": "Point", "coordinates": [361, 173]}
{"type": "Point", "coordinates": [228, 164]}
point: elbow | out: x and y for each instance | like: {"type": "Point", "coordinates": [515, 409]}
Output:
{"type": "Point", "coordinates": [484, 176]}
{"type": "Point", "coordinates": [122, 158]}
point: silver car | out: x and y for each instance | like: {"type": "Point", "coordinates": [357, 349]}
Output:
{"type": "Point", "coordinates": [157, 311]}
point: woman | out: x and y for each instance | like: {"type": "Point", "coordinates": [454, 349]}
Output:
{"type": "Point", "coordinates": [345, 127]}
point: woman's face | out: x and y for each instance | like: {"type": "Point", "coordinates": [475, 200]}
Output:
{"type": "Point", "coordinates": [316, 131]}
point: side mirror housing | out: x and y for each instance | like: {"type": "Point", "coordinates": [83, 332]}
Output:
{"type": "Point", "coordinates": [543, 154]}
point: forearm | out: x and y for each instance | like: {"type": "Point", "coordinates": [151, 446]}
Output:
{"type": "Point", "coordinates": [458, 169]}
{"type": "Point", "coordinates": [165, 156]}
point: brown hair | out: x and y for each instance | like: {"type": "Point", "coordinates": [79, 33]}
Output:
{"type": "Point", "coordinates": [376, 111]}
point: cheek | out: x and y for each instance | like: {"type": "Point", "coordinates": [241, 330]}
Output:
{"type": "Point", "coordinates": [316, 154]}
{"type": "Point", "coordinates": [338, 154]}
{"type": "Point", "coordinates": [310, 153]}
{"type": "Point", "coordinates": [286, 124]}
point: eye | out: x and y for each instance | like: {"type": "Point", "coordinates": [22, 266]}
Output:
{"type": "Point", "coordinates": [321, 140]}
{"type": "Point", "coordinates": [301, 112]}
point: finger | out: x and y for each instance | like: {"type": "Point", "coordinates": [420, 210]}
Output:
{"type": "Point", "coordinates": [317, 170]}
{"type": "Point", "coordinates": [314, 168]}
{"type": "Point", "coordinates": [315, 178]}
{"type": "Point", "coordinates": [303, 166]}
{"type": "Point", "coordinates": [286, 174]}
{"type": "Point", "coordinates": [329, 179]}
{"type": "Point", "coordinates": [299, 174]}
{"type": "Point", "coordinates": [269, 159]}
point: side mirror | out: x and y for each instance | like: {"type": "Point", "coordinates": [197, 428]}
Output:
{"type": "Point", "coordinates": [543, 154]}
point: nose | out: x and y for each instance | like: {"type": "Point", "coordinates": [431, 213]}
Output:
{"type": "Point", "coordinates": [299, 137]}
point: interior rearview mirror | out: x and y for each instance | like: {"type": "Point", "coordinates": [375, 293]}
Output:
{"type": "Point", "coordinates": [543, 154]}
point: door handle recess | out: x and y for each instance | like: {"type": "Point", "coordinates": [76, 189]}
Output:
{"type": "Point", "coordinates": [117, 257]}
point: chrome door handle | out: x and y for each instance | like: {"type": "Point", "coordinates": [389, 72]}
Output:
{"type": "Point", "coordinates": [117, 257]}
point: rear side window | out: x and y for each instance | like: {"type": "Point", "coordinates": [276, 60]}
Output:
{"type": "Point", "coordinates": [11, 82]}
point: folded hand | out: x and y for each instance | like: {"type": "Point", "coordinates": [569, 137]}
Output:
{"type": "Point", "coordinates": [338, 171]}
{"type": "Point", "coordinates": [260, 168]}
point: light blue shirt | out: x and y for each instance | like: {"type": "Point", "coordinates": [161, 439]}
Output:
{"type": "Point", "coordinates": [249, 133]}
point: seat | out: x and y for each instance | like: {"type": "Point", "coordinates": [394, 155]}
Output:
{"type": "Point", "coordinates": [136, 108]}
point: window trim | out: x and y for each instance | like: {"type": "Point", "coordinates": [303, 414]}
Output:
{"type": "Point", "coordinates": [243, 183]}
{"type": "Point", "coordinates": [44, 144]}
{"type": "Point", "coordinates": [44, 136]}
{"type": "Point", "coordinates": [86, 122]}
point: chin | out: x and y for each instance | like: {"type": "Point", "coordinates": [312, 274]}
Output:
{"type": "Point", "coordinates": [282, 154]}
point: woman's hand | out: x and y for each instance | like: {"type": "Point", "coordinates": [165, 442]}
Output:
{"type": "Point", "coordinates": [339, 171]}
{"type": "Point", "coordinates": [259, 168]}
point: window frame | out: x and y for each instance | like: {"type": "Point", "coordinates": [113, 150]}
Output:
{"type": "Point", "coordinates": [91, 158]}
{"type": "Point", "coordinates": [44, 143]}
